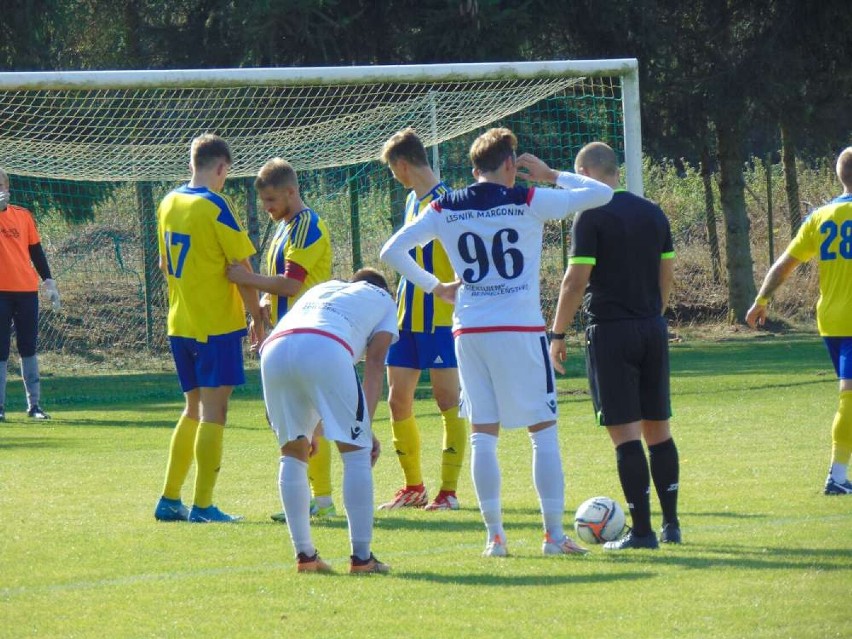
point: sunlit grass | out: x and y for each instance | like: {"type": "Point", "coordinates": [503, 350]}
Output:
{"type": "Point", "coordinates": [765, 553]}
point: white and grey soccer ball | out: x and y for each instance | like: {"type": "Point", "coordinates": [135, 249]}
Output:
{"type": "Point", "coordinates": [598, 520]}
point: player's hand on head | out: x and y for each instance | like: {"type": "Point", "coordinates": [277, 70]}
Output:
{"type": "Point", "coordinates": [533, 169]}
{"type": "Point", "coordinates": [237, 273]}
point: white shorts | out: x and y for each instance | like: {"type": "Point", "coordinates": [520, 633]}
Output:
{"type": "Point", "coordinates": [506, 377]}
{"type": "Point", "coordinates": [309, 377]}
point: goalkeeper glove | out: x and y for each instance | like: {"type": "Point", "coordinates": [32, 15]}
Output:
{"type": "Point", "coordinates": [4, 200]}
{"type": "Point", "coordinates": [52, 293]}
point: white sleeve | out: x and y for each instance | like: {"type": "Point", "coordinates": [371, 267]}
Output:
{"type": "Point", "coordinates": [418, 232]}
{"type": "Point", "coordinates": [388, 323]}
{"type": "Point", "coordinates": [575, 193]}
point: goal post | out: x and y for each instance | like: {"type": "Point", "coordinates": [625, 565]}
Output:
{"type": "Point", "coordinates": [92, 152]}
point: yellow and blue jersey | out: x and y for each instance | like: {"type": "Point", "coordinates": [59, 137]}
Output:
{"type": "Point", "coordinates": [418, 311]}
{"type": "Point", "coordinates": [303, 240]}
{"type": "Point", "coordinates": [827, 234]}
{"type": "Point", "coordinates": [198, 236]}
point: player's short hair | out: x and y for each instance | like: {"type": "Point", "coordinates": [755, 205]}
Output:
{"type": "Point", "coordinates": [491, 149]}
{"type": "Point", "coordinates": [844, 167]}
{"type": "Point", "coordinates": [276, 173]}
{"type": "Point", "coordinates": [598, 157]}
{"type": "Point", "coordinates": [371, 276]}
{"type": "Point", "coordinates": [207, 149]}
{"type": "Point", "coordinates": [405, 145]}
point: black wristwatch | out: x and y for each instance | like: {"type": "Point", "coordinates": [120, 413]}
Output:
{"type": "Point", "coordinates": [552, 336]}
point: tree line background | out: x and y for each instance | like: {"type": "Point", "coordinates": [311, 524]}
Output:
{"type": "Point", "coordinates": [721, 81]}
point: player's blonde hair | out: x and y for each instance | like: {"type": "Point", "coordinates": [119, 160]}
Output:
{"type": "Point", "coordinates": [207, 149]}
{"type": "Point", "coordinates": [598, 158]}
{"type": "Point", "coordinates": [276, 173]}
{"type": "Point", "coordinates": [844, 168]}
{"type": "Point", "coordinates": [491, 149]}
{"type": "Point", "coordinates": [405, 145]}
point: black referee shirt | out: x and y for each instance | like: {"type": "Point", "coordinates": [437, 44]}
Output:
{"type": "Point", "coordinates": [624, 240]}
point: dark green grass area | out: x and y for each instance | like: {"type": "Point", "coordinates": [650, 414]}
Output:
{"type": "Point", "coordinates": [765, 553]}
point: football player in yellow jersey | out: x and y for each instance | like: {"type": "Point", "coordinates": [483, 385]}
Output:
{"type": "Point", "coordinates": [298, 259]}
{"type": "Point", "coordinates": [425, 342]}
{"type": "Point", "coordinates": [199, 236]}
{"type": "Point", "coordinates": [827, 235]}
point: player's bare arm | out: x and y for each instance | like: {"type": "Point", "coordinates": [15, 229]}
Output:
{"type": "Point", "coordinates": [570, 297]}
{"type": "Point", "coordinates": [777, 275]}
{"type": "Point", "coordinates": [533, 169]}
{"type": "Point", "coordinates": [274, 284]}
{"type": "Point", "coordinates": [257, 329]}
{"type": "Point", "coordinates": [374, 369]}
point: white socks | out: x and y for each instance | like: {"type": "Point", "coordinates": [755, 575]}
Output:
{"type": "Point", "coordinates": [296, 498]}
{"type": "Point", "coordinates": [485, 472]}
{"type": "Point", "coordinates": [358, 500]}
{"type": "Point", "coordinates": [549, 480]}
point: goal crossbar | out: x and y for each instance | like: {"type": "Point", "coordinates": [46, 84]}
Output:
{"type": "Point", "coordinates": [135, 125]}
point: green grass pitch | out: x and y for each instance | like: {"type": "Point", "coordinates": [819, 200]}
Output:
{"type": "Point", "coordinates": [765, 553]}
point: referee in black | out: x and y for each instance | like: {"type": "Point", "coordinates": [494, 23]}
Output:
{"type": "Point", "coordinates": [621, 271]}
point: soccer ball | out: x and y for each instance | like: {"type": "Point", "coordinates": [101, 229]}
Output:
{"type": "Point", "coordinates": [599, 519]}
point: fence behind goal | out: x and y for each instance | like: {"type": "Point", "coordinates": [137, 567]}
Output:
{"type": "Point", "coordinates": [91, 155]}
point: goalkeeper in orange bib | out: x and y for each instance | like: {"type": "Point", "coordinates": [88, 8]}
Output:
{"type": "Point", "coordinates": [22, 262]}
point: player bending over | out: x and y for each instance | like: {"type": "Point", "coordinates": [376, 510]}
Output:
{"type": "Point", "coordinates": [307, 367]}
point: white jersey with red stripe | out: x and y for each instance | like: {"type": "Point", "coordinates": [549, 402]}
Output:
{"type": "Point", "coordinates": [493, 237]}
{"type": "Point", "coordinates": [347, 312]}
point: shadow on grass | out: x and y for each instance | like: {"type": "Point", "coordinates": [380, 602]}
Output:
{"type": "Point", "coordinates": [490, 579]}
{"type": "Point", "coordinates": [37, 442]}
{"type": "Point", "coordinates": [752, 387]}
{"type": "Point", "coordinates": [745, 558]}
{"type": "Point", "coordinates": [106, 420]}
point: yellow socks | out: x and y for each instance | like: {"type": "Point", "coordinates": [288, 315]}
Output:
{"type": "Point", "coordinates": [181, 453]}
{"type": "Point", "coordinates": [319, 469]}
{"type": "Point", "coordinates": [455, 439]}
{"type": "Point", "coordinates": [406, 441]}
{"type": "Point", "coordinates": [841, 430]}
{"type": "Point", "coordinates": [208, 458]}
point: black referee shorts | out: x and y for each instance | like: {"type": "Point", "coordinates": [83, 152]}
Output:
{"type": "Point", "coordinates": [627, 363]}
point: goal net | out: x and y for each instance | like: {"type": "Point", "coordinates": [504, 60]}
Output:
{"type": "Point", "coordinates": [91, 154]}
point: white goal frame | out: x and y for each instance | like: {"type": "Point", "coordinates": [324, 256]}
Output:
{"type": "Point", "coordinates": [626, 69]}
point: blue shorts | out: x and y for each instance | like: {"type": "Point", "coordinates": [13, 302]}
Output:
{"type": "Point", "coordinates": [219, 362]}
{"type": "Point", "coordinates": [424, 350]}
{"type": "Point", "coordinates": [840, 351]}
